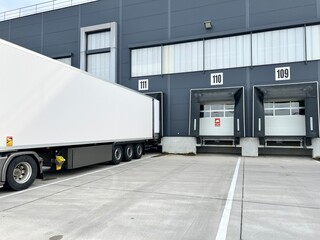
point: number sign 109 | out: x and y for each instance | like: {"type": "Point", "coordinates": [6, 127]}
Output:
{"type": "Point", "coordinates": [282, 73]}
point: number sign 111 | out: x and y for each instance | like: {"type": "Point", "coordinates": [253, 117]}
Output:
{"type": "Point", "coordinates": [282, 73]}
{"type": "Point", "coordinates": [143, 84]}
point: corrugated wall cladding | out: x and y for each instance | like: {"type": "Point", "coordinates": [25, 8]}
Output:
{"type": "Point", "coordinates": [274, 12]}
{"type": "Point", "coordinates": [144, 22]}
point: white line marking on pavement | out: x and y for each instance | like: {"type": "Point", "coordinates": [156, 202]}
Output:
{"type": "Point", "coordinates": [224, 222]}
{"type": "Point", "coordinates": [75, 177]}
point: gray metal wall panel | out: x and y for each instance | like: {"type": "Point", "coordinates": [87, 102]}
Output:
{"type": "Point", "coordinates": [26, 21]}
{"type": "Point", "coordinates": [188, 16]}
{"type": "Point", "coordinates": [145, 21]}
{"type": "Point", "coordinates": [32, 42]}
{"type": "Point", "coordinates": [99, 12]}
{"type": "Point", "coordinates": [64, 24]}
{"type": "Point", "coordinates": [99, 5]}
{"type": "Point", "coordinates": [98, 17]}
{"type": "Point", "coordinates": [62, 37]}
{"type": "Point", "coordinates": [61, 49]}
{"type": "Point", "coordinates": [26, 31]}
{"type": "Point", "coordinates": [61, 14]}
{"type": "Point", "coordinates": [144, 25]}
{"type": "Point", "coordinates": [143, 37]}
{"type": "Point", "coordinates": [300, 72]}
{"type": "Point", "coordinates": [132, 11]}
{"type": "Point", "coordinates": [274, 11]}
{"type": "Point", "coordinates": [4, 30]}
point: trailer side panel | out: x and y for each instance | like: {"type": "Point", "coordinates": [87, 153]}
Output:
{"type": "Point", "coordinates": [45, 103]}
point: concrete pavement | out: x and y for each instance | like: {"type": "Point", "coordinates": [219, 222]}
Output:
{"type": "Point", "coordinates": [170, 197]}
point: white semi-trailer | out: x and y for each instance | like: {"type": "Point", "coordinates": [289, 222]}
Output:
{"type": "Point", "coordinates": [53, 113]}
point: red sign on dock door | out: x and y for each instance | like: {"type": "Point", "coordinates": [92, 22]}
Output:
{"type": "Point", "coordinates": [217, 122]}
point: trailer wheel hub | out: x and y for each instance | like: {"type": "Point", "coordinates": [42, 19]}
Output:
{"type": "Point", "coordinates": [22, 172]}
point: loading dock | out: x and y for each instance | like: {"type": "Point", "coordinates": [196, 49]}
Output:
{"type": "Point", "coordinates": [286, 114]}
{"type": "Point", "coordinates": [217, 115]}
{"type": "Point", "coordinates": [158, 114]}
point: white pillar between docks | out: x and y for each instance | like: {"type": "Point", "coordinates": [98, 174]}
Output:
{"type": "Point", "coordinates": [179, 145]}
{"type": "Point", "coordinates": [316, 148]}
{"type": "Point", "coordinates": [249, 147]}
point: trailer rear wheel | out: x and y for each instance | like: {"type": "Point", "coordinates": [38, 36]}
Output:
{"type": "Point", "coordinates": [21, 173]}
{"type": "Point", "coordinates": [128, 152]}
{"type": "Point", "coordinates": [117, 154]}
{"type": "Point", "coordinates": [138, 150]}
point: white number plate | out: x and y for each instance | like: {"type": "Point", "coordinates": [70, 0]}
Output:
{"type": "Point", "coordinates": [143, 85]}
{"type": "Point", "coordinates": [282, 73]}
{"type": "Point", "coordinates": [216, 78]}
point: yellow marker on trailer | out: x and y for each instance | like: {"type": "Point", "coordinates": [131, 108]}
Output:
{"type": "Point", "coordinates": [9, 141]}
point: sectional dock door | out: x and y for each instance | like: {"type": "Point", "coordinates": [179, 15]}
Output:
{"type": "Point", "coordinates": [286, 110]}
{"type": "Point", "coordinates": [217, 112]}
{"type": "Point", "coordinates": [159, 113]}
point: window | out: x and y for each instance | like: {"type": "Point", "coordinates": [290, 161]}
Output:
{"type": "Point", "coordinates": [65, 60]}
{"type": "Point", "coordinates": [183, 57]}
{"type": "Point", "coordinates": [313, 40]}
{"type": "Point", "coordinates": [228, 52]}
{"type": "Point", "coordinates": [286, 108]}
{"type": "Point", "coordinates": [146, 61]}
{"type": "Point", "coordinates": [216, 110]}
{"type": "Point", "coordinates": [99, 40]}
{"type": "Point", "coordinates": [98, 51]}
{"type": "Point", "coordinates": [98, 64]}
{"type": "Point", "coordinates": [98, 54]}
{"type": "Point", "coordinates": [280, 46]}
{"type": "Point", "coordinates": [263, 48]}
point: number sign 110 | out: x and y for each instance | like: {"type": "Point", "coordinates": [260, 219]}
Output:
{"type": "Point", "coordinates": [217, 79]}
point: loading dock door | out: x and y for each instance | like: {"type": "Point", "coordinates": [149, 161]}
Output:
{"type": "Point", "coordinates": [216, 119]}
{"type": "Point", "coordinates": [285, 118]}
{"type": "Point", "coordinates": [159, 113]}
{"type": "Point", "coordinates": [217, 112]}
{"type": "Point", "coordinates": [286, 110]}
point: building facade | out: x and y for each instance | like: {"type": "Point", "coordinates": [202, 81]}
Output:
{"type": "Point", "coordinates": [234, 75]}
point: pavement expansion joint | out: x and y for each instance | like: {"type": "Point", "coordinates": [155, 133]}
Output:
{"type": "Point", "coordinates": [283, 205]}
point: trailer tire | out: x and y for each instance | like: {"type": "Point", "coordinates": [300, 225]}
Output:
{"type": "Point", "coordinates": [117, 154]}
{"type": "Point", "coordinates": [21, 173]}
{"type": "Point", "coordinates": [138, 150]}
{"type": "Point", "coordinates": [128, 152]}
